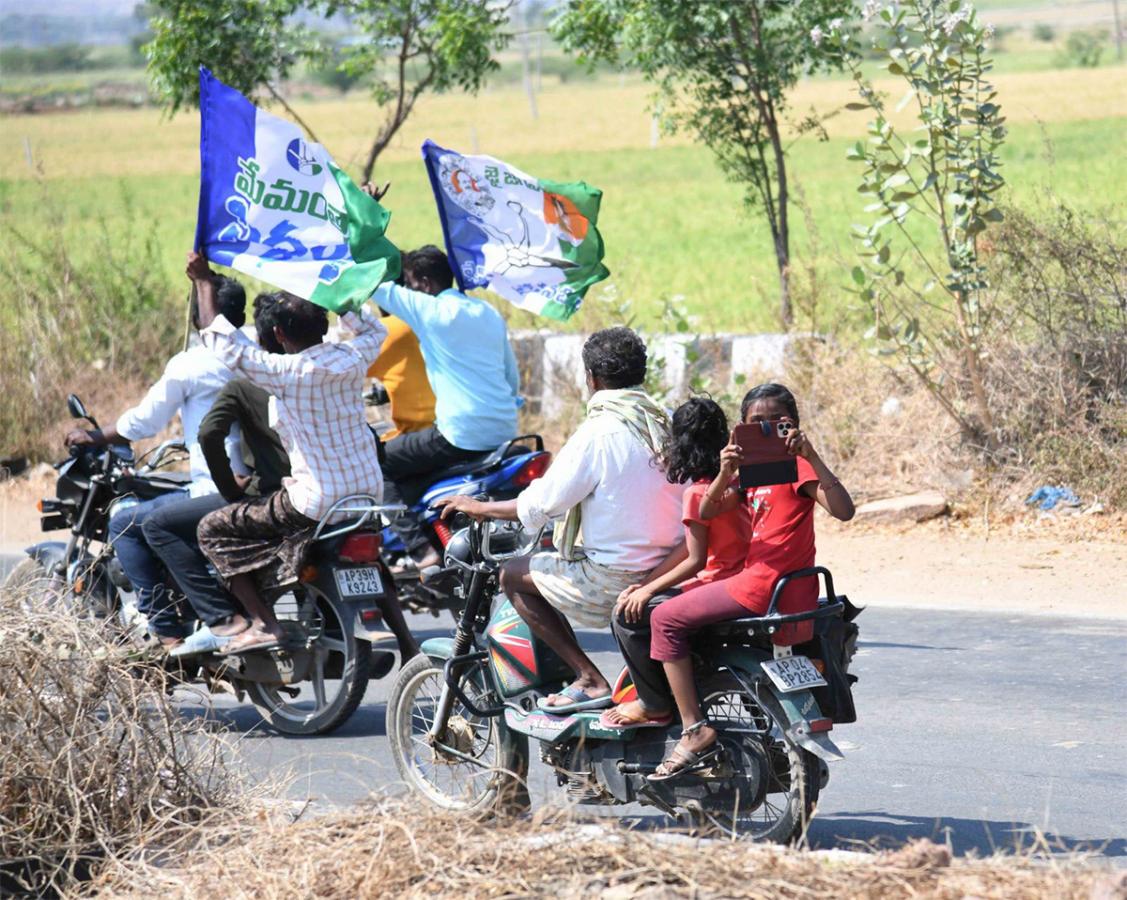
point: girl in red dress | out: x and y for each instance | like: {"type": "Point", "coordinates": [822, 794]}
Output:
{"type": "Point", "coordinates": [782, 540]}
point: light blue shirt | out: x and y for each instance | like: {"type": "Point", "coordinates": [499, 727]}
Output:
{"type": "Point", "coordinates": [470, 364]}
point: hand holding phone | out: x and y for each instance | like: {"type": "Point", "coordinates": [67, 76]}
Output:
{"type": "Point", "coordinates": [764, 457]}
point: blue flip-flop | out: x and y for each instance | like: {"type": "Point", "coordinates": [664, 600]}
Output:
{"type": "Point", "coordinates": [581, 700]}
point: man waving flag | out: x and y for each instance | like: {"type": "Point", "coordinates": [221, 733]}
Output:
{"type": "Point", "coordinates": [532, 241]}
{"type": "Point", "coordinates": [275, 206]}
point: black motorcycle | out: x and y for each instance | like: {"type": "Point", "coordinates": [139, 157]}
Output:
{"type": "Point", "coordinates": [333, 617]}
{"type": "Point", "coordinates": [94, 484]}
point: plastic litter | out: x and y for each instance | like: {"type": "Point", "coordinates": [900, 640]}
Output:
{"type": "Point", "coordinates": [1047, 497]}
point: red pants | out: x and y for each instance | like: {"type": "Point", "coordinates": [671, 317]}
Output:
{"type": "Point", "coordinates": [675, 619]}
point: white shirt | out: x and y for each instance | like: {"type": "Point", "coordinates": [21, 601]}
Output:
{"type": "Point", "coordinates": [190, 383]}
{"type": "Point", "coordinates": [318, 409]}
{"type": "Point", "coordinates": [631, 514]}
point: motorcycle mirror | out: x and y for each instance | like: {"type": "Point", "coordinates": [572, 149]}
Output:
{"type": "Point", "coordinates": [77, 409]}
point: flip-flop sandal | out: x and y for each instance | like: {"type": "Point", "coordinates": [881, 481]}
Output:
{"type": "Point", "coordinates": [581, 700]}
{"type": "Point", "coordinates": [632, 722]}
{"type": "Point", "coordinates": [234, 649]}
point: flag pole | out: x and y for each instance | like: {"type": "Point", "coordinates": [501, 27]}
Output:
{"type": "Point", "coordinates": [188, 317]}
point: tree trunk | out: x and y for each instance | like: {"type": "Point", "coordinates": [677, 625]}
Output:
{"type": "Point", "coordinates": [782, 226]}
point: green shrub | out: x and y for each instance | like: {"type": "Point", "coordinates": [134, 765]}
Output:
{"type": "Point", "coordinates": [84, 318]}
{"type": "Point", "coordinates": [1044, 32]}
{"type": "Point", "coordinates": [1083, 49]}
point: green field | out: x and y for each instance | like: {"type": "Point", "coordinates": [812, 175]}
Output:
{"type": "Point", "coordinates": [674, 227]}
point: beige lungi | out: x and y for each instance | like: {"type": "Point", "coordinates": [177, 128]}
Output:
{"type": "Point", "coordinates": [583, 591]}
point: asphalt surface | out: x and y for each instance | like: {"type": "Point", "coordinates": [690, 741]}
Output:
{"type": "Point", "coordinates": [988, 731]}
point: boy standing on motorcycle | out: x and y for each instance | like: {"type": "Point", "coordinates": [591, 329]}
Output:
{"type": "Point", "coordinates": [257, 545]}
{"type": "Point", "coordinates": [607, 480]}
{"type": "Point", "coordinates": [190, 383]}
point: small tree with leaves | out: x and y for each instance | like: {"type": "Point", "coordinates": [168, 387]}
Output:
{"type": "Point", "coordinates": [926, 286]}
{"type": "Point", "coordinates": [722, 71]}
{"type": "Point", "coordinates": [409, 47]}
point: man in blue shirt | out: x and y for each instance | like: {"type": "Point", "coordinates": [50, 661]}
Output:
{"type": "Point", "coordinates": [472, 371]}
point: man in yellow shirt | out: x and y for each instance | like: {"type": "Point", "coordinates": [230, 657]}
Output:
{"type": "Point", "coordinates": [401, 370]}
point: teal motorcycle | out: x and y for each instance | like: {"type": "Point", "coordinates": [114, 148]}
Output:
{"type": "Point", "coordinates": [461, 713]}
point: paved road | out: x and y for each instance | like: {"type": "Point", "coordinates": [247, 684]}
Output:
{"type": "Point", "coordinates": [977, 728]}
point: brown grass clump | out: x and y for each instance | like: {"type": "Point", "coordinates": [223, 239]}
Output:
{"type": "Point", "coordinates": [94, 759]}
{"type": "Point", "coordinates": [397, 850]}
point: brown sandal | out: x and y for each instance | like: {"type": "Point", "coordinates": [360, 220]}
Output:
{"type": "Point", "coordinates": [681, 761]}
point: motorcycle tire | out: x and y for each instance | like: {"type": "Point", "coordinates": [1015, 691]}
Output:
{"type": "Point", "coordinates": [355, 671]}
{"type": "Point", "coordinates": [501, 783]}
{"type": "Point", "coordinates": [723, 697]}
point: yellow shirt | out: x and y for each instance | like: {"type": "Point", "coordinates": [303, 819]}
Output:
{"type": "Point", "coordinates": [401, 370]}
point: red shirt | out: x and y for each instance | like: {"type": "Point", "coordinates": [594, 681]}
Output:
{"type": "Point", "coordinates": [782, 540]}
{"type": "Point", "coordinates": [728, 536]}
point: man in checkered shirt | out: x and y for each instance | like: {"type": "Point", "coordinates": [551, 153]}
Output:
{"type": "Point", "coordinates": [317, 408]}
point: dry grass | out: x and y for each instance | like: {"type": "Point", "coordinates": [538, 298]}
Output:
{"type": "Point", "coordinates": [95, 760]}
{"type": "Point", "coordinates": [394, 850]}
{"type": "Point", "coordinates": [611, 114]}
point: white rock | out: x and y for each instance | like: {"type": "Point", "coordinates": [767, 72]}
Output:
{"type": "Point", "coordinates": [907, 508]}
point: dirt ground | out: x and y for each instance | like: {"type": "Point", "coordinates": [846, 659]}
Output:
{"type": "Point", "coordinates": [1023, 563]}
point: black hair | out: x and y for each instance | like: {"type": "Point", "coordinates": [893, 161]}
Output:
{"type": "Point", "coordinates": [230, 301]}
{"type": "Point", "coordinates": [265, 318]}
{"type": "Point", "coordinates": [431, 263]}
{"type": "Point", "coordinates": [699, 433]}
{"type": "Point", "coordinates": [302, 322]}
{"type": "Point", "coordinates": [616, 357]}
{"type": "Point", "coordinates": [770, 391]}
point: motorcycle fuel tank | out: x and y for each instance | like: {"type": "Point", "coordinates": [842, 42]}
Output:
{"type": "Point", "coordinates": [519, 661]}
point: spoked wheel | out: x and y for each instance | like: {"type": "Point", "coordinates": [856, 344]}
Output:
{"type": "Point", "coordinates": [479, 766]}
{"type": "Point", "coordinates": [772, 785]}
{"type": "Point", "coordinates": [338, 670]}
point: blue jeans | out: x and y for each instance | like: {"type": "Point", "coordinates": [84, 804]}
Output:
{"type": "Point", "coordinates": [144, 568]}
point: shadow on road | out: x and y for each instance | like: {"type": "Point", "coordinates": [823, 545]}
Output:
{"type": "Point", "coordinates": [368, 721]}
{"type": "Point", "coordinates": [870, 645]}
{"type": "Point", "coordinates": [883, 830]}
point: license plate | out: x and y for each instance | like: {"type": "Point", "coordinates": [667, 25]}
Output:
{"type": "Point", "coordinates": [793, 673]}
{"type": "Point", "coordinates": [363, 582]}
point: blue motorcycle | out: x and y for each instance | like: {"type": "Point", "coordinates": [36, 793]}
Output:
{"type": "Point", "coordinates": [499, 474]}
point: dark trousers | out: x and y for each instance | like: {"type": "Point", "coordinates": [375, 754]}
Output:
{"type": "Point", "coordinates": [170, 532]}
{"type": "Point", "coordinates": [410, 463]}
{"type": "Point", "coordinates": [648, 674]}
{"type": "Point", "coordinates": [143, 568]}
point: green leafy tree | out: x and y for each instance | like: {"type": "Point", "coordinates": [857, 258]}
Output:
{"type": "Point", "coordinates": [931, 188]}
{"type": "Point", "coordinates": [722, 71]}
{"type": "Point", "coordinates": [414, 46]}
{"type": "Point", "coordinates": [409, 47]}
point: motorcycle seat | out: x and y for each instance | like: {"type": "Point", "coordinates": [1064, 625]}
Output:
{"type": "Point", "coordinates": [480, 463]}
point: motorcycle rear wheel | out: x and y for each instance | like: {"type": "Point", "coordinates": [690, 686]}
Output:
{"type": "Point", "coordinates": [334, 700]}
{"type": "Point", "coordinates": [786, 806]}
{"type": "Point", "coordinates": [489, 772]}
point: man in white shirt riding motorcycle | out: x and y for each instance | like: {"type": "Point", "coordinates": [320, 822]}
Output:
{"type": "Point", "coordinates": [191, 381]}
{"type": "Point", "coordinates": [607, 481]}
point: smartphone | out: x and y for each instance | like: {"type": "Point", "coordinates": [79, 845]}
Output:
{"type": "Point", "coordinates": [765, 459]}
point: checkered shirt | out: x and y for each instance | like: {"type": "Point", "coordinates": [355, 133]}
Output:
{"type": "Point", "coordinates": [317, 408]}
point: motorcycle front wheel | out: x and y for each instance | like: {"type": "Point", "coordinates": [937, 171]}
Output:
{"type": "Point", "coordinates": [338, 676]}
{"type": "Point", "coordinates": [480, 765]}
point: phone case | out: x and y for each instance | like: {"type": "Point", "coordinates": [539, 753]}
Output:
{"type": "Point", "coordinates": [765, 459]}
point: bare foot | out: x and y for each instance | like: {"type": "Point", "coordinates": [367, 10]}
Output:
{"type": "Point", "coordinates": [234, 625]}
{"type": "Point", "coordinates": [632, 713]}
{"type": "Point", "coordinates": [252, 637]}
